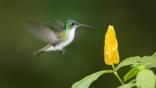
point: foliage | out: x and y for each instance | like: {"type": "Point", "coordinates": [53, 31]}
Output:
{"type": "Point", "coordinates": [140, 75]}
{"type": "Point", "coordinates": [140, 70]}
{"type": "Point", "coordinates": [86, 82]}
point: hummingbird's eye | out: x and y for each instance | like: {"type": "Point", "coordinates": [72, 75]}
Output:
{"type": "Point", "coordinates": [73, 24]}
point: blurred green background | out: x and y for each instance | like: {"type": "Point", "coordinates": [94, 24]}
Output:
{"type": "Point", "coordinates": [134, 21]}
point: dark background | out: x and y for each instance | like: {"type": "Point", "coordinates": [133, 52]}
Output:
{"type": "Point", "coordinates": [134, 22]}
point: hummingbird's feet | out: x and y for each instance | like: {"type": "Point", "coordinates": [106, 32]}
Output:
{"type": "Point", "coordinates": [63, 51]}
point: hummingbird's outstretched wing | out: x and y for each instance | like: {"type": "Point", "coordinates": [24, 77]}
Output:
{"type": "Point", "coordinates": [42, 31]}
{"type": "Point", "coordinates": [56, 24]}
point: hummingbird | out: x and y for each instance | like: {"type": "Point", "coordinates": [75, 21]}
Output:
{"type": "Point", "coordinates": [57, 34]}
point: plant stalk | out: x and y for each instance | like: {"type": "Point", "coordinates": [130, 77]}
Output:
{"type": "Point", "coordinates": [117, 75]}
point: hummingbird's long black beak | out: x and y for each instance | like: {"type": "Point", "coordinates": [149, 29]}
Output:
{"type": "Point", "coordinates": [86, 26]}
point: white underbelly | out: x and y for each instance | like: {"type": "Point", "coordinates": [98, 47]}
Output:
{"type": "Point", "coordinates": [70, 38]}
{"type": "Point", "coordinates": [63, 44]}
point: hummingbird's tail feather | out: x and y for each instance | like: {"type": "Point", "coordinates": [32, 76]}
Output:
{"type": "Point", "coordinates": [39, 52]}
{"type": "Point", "coordinates": [42, 50]}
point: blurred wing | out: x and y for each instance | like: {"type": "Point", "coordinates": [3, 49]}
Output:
{"type": "Point", "coordinates": [56, 24]}
{"type": "Point", "coordinates": [42, 31]}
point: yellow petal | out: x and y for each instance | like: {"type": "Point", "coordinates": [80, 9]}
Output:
{"type": "Point", "coordinates": [111, 54]}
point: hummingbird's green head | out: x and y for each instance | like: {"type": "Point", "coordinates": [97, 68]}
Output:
{"type": "Point", "coordinates": [72, 24]}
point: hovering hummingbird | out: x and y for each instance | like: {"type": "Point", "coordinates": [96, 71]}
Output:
{"type": "Point", "coordinates": [57, 34]}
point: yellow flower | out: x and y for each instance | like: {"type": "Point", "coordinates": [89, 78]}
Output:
{"type": "Point", "coordinates": [111, 55]}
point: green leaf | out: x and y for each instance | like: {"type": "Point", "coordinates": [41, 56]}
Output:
{"type": "Point", "coordinates": [133, 72]}
{"type": "Point", "coordinates": [129, 61]}
{"type": "Point", "coordinates": [145, 79]}
{"type": "Point", "coordinates": [131, 84]}
{"type": "Point", "coordinates": [149, 61]}
{"type": "Point", "coordinates": [86, 82]}
{"type": "Point", "coordinates": [154, 54]}
{"type": "Point", "coordinates": [128, 85]}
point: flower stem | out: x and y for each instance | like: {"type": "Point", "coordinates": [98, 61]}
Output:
{"type": "Point", "coordinates": [117, 75]}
